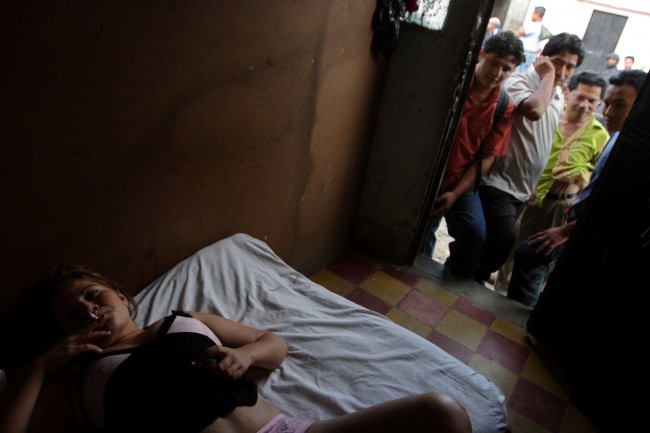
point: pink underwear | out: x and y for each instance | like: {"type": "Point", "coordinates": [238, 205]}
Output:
{"type": "Point", "coordinates": [282, 424]}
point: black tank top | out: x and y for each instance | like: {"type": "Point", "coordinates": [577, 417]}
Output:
{"type": "Point", "coordinates": [155, 388]}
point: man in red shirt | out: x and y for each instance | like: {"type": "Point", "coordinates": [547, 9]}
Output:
{"type": "Point", "coordinates": [481, 138]}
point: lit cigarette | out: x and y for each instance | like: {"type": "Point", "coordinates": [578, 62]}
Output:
{"type": "Point", "coordinates": [93, 315]}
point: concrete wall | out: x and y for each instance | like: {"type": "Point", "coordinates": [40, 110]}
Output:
{"type": "Point", "coordinates": [135, 133]}
{"type": "Point", "coordinates": [428, 77]}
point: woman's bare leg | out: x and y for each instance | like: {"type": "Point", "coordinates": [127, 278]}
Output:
{"type": "Point", "coordinates": [423, 413]}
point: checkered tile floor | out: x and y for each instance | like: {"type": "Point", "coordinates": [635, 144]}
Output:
{"type": "Point", "coordinates": [493, 346]}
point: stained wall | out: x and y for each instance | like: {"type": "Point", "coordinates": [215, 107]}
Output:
{"type": "Point", "coordinates": [135, 133]}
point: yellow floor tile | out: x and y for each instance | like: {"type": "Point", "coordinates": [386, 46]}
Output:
{"type": "Point", "coordinates": [501, 376]}
{"type": "Point", "coordinates": [331, 281]}
{"type": "Point", "coordinates": [433, 290]}
{"type": "Point", "coordinates": [510, 330]}
{"type": "Point", "coordinates": [462, 328]}
{"type": "Point", "coordinates": [408, 322]}
{"type": "Point", "coordinates": [385, 287]}
{"type": "Point", "coordinates": [465, 331]}
{"type": "Point", "coordinates": [535, 371]}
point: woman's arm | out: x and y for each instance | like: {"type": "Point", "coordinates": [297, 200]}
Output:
{"type": "Point", "coordinates": [37, 392]}
{"type": "Point", "coordinates": [243, 346]}
{"type": "Point", "coordinates": [24, 387]}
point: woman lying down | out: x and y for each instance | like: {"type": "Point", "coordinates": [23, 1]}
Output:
{"type": "Point", "coordinates": [184, 373]}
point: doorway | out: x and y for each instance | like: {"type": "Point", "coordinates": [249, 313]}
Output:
{"type": "Point", "coordinates": [601, 38]}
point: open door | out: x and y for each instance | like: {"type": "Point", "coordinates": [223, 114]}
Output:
{"type": "Point", "coordinates": [601, 38]}
{"type": "Point", "coordinates": [427, 82]}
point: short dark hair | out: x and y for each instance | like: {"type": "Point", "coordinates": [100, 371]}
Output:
{"type": "Point", "coordinates": [634, 78]}
{"type": "Point", "coordinates": [588, 78]}
{"type": "Point", "coordinates": [630, 57]}
{"type": "Point", "coordinates": [565, 42]}
{"type": "Point", "coordinates": [540, 10]}
{"type": "Point", "coordinates": [505, 44]}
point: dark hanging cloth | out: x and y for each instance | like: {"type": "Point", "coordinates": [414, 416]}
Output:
{"type": "Point", "coordinates": [385, 25]}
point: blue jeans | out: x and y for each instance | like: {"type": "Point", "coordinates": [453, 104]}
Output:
{"type": "Point", "coordinates": [530, 58]}
{"type": "Point", "coordinates": [466, 224]}
{"type": "Point", "coordinates": [529, 272]}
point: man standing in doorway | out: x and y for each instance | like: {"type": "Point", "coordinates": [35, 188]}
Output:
{"type": "Point", "coordinates": [481, 137]}
{"type": "Point", "coordinates": [506, 189]}
{"type": "Point", "coordinates": [577, 143]}
{"type": "Point", "coordinates": [535, 258]}
{"type": "Point", "coordinates": [530, 34]}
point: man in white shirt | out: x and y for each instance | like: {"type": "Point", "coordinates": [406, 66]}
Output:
{"type": "Point", "coordinates": [506, 189]}
{"type": "Point", "coordinates": [530, 34]}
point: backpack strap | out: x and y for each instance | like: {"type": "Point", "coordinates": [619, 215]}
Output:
{"type": "Point", "coordinates": [502, 105]}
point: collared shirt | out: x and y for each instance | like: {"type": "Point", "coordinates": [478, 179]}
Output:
{"type": "Point", "coordinates": [475, 132]}
{"type": "Point", "coordinates": [572, 159]}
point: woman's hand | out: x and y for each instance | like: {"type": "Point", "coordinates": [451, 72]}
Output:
{"type": "Point", "coordinates": [68, 349]}
{"type": "Point", "coordinates": [229, 362]}
{"type": "Point", "coordinates": [241, 346]}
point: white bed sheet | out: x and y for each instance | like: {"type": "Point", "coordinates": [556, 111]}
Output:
{"type": "Point", "coordinates": [342, 357]}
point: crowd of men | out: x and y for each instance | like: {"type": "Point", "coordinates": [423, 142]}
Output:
{"type": "Point", "coordinates": [531, 142]}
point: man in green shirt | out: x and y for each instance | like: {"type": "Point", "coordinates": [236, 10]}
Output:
{"type": "Point", "coordinates": [577, 143]}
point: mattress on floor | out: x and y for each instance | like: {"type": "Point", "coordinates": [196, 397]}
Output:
{"type": "Point", "coordinates": [342, 357]}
